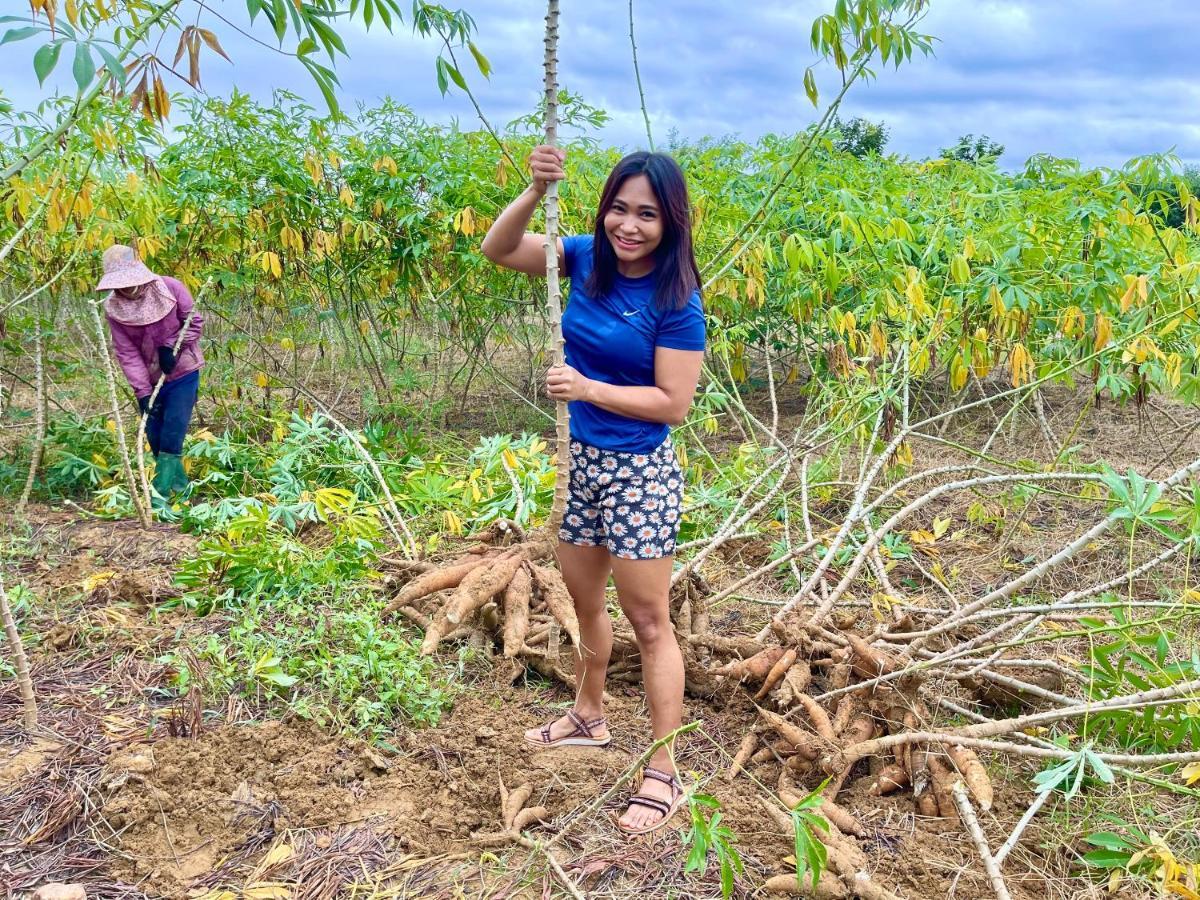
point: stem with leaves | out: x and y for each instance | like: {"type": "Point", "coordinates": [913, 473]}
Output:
{"type": "Point", "coordinates": [136, 35]}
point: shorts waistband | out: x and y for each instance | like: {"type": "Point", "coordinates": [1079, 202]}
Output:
{"type": "Point", "coordinates": [666, 444]}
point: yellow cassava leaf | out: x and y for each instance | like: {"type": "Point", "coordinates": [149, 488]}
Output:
{"type": "Point", "coordinates": [1126, 299]}
{"type": "Point", "coordinates": [879, 342]}
{"type": "Point", "coordinates": [996, 301]}
{"type": "Point", "coordinates": [312, 164]}
{"type": "Point", "coordinates": [266, 891]}
{"type": "Point", "coordinates": [960, 269]}
{"type": "Point", "coordinates": [277, 854]}
{"type": "Point", "coordinates": [958, 373]}
{"type": "Point", "coordinates": [385, 164]}
{"type": "Point", "coordinates": [96, 579]}
{"type": "Point", "coordinates": [1103, 329]}
{"type": "Point", "coordinates": [1022, 365]}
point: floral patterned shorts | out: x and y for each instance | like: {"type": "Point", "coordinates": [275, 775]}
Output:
{"type": "Point", "coordinates": [628, 502]}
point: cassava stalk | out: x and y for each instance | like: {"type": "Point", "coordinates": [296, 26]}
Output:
{"type": "Point", "coordinates": [29, 714]}
{"type": "Point", "coordinates": [110, 378]}
{"type": "Point", "coordinates": [967, 813]}
{"type": "Point", "coordinates": [553, 289]}
{"type": "Point", "coordinates": [39, 438]}
{"type": "Point", "coordinates": [637, 74]}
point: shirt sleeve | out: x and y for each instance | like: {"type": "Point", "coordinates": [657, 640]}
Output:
{"type": "Point", "coordinates": [682, 329]}
{"type": "Point", "coordinates": [575, 246]}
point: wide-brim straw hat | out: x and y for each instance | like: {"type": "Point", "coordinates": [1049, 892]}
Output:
{"type": "Point", "coordinates": [123, 269]}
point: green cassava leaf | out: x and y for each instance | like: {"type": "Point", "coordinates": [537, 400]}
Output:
{"type": "Point", "coordinates": [45, 60]}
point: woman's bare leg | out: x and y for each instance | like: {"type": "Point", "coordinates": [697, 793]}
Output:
{"type": "Point", "coordinates": [585, 571]}
{"type": "Point", "coordinates": [643, 589]}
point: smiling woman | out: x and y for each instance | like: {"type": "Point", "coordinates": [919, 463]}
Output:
{"type": "Point", "coordinates": [635, 335]}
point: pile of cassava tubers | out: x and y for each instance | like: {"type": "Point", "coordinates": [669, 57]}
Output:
{"type": "Point", "coordinates": [494, 593]}
{"type": "Point", "coordinates": [830, 704]}
{"type": "Point", "coordinates": [512, 596]}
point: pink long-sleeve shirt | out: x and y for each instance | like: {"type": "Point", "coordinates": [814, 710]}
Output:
{"type": "Point", "coordinates": [137, 346]}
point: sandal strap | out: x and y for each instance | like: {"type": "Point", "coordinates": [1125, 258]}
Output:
{"type": "Point", "coordinates": [659, 806]}
{"type": "Point", "coordinates": [665, 778]}
{"type": "Point", "coordinates": [581, 727]}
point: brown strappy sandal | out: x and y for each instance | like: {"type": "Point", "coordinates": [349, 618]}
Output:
{"type": "Point", "coordinates": [582, 736]}
{"type": "Point", "coordinates": [666, 810]}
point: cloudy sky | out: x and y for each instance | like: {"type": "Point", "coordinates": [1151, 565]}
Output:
{"type": "Point", "coordinates": [1098, 80]}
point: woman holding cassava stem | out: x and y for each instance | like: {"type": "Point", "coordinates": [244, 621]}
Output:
{"type": "Point", "coordinates": [634, 332]}
{"type": "Point", "coordinates": [145, 313]}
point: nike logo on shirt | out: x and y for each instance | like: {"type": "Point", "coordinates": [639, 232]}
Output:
{"type": "Point", "coordinates": [631, 312]}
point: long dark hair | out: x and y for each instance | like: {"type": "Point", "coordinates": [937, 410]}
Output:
{"type": "Point", "coordinates": [677, 276]}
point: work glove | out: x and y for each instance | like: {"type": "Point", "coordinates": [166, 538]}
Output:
{"type": "Point", "coordinates": [166, 360]}
{"type": "Point", "coordinates": [144, 404]}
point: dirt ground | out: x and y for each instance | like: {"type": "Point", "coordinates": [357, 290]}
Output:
{"type": "Point", "coordinates": [139, 794]}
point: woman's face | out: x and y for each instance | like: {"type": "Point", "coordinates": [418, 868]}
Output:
{"type": "Point", "coordinates": [634, 226]}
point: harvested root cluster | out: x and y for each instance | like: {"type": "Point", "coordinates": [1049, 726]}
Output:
{"type": "Point", "coordinates": [812, 740]}
{"type": "Point", "coordinates": [506, 595]}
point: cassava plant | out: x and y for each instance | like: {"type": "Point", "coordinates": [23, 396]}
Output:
{"type": "Point", "coordinates": [512, 574]}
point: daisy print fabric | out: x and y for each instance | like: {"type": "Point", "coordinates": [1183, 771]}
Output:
{"type": "Point", "coordinates": [628, 502]}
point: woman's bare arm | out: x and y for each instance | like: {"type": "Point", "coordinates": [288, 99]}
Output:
{"type": "Point", "coordinates": [676, 375]}
{"type": "Point", "coordinates": [507, 242]}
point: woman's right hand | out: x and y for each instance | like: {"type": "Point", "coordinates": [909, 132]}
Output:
{"type": "Point", "coordinates": [546, 164]}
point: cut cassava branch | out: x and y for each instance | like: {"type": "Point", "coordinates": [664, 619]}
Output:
{"type": "Point", "coordinates": [29, 713]}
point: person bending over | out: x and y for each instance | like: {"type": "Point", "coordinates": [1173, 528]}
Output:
{"type": "Point", "coordinates": [145, 314]}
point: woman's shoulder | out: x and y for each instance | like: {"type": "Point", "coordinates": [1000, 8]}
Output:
{"type": "Point", "coordinates": [579, 242]}
{"type": "Point", "coordinates": [692, 309]}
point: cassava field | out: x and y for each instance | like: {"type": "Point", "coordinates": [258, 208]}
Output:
{"type": "Point", "coordinates": [936, 592]}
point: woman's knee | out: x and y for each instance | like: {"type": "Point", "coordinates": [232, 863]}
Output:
{"type": "Point", "coordinates": [650, 624]}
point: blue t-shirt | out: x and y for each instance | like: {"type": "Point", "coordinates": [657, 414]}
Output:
{"type": "Point", "coordinates": [612, 339]}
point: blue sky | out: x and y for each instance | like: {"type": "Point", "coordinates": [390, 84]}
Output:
{"type": "Point", "coordinates": [1097, 80]}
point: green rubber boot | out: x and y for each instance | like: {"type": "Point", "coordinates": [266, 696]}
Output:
{"type": "Point", "coordinates": [180, 482]}
{"type": "Point", "coordinates": [169, 477]}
